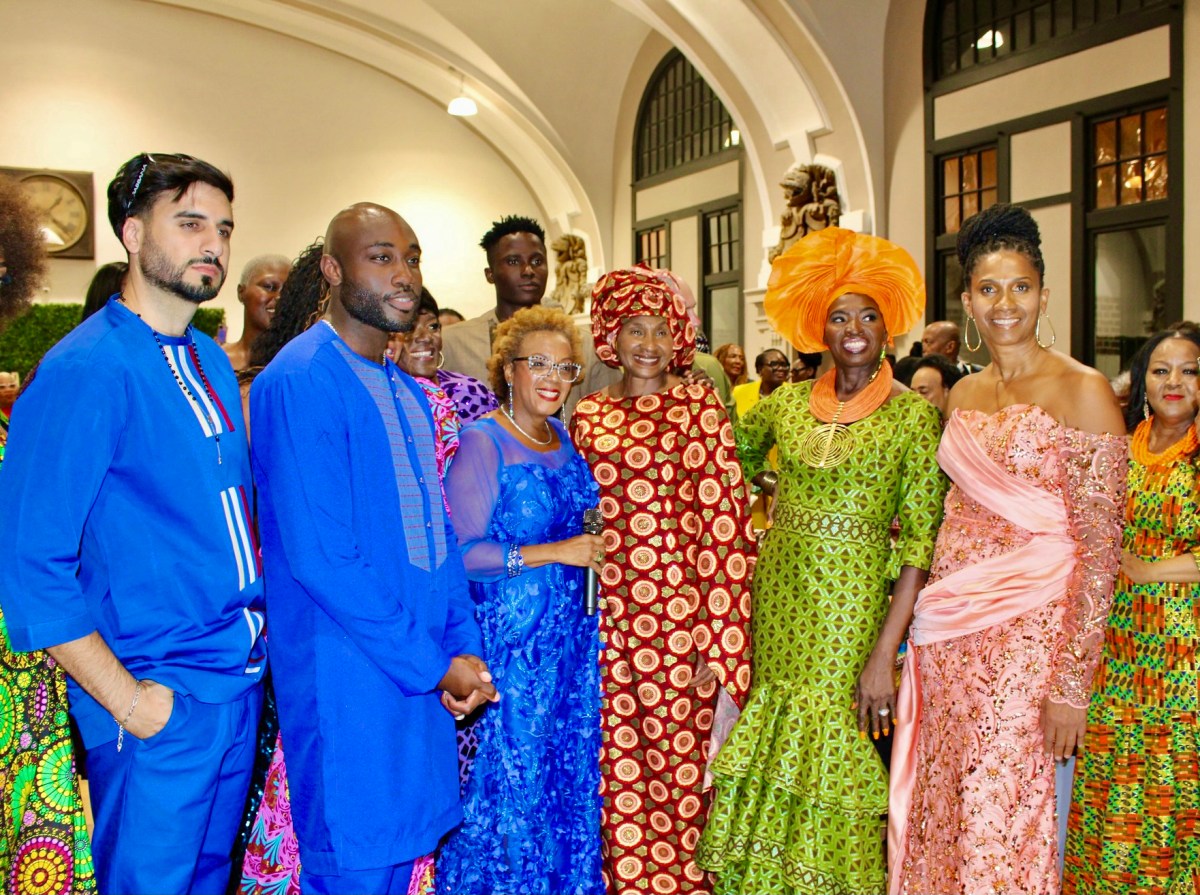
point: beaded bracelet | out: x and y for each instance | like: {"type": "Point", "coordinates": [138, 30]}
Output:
{"type": "Point", "coordinates": [137, 693]}
{"type": "Point", "coordinates": [515, 562]}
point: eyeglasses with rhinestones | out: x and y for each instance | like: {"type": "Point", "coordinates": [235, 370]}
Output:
{"type": "Point", "coordinates": [540, 367]}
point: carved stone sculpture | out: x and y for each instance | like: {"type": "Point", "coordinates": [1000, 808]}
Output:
{"type": "Point", "coordinates": [812, 204]}
{"type": "Point", "coordinates": [571, 286]}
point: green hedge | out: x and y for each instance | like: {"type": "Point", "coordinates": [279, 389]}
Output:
{"type": "Point", "coordinates": [38, 330]}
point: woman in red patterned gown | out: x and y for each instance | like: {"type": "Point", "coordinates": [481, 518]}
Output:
{"type": "Point", "coordinates": [676, 600]}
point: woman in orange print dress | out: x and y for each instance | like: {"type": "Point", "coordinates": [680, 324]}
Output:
{"type": "Point", "coordinates": [676, 616]}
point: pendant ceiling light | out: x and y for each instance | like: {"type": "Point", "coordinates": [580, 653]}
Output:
{"type": "Point", "coordinates": [462, 106]}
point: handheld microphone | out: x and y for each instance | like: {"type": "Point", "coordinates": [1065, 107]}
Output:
{"type": "Point", "coordinates": [593, 524]}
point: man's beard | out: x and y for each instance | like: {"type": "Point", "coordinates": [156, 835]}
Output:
{"type": "Point", "coordinates": [157, 270]}
{"type": "Point", "coordinates": [366, 307]}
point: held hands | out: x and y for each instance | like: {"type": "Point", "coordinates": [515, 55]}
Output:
{"type": "Point", "coordinates": [1063, 727]}
{"type": "Point", "coordinates": [155, 704]}
{"type": "Point", "coordinates": [696, 376]}
{"type": "Point", "coordinates": [875, 697]}
{"type": "Point", "coordinates": [466, 685]}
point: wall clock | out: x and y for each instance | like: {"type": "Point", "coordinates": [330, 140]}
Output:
{"type": "Point", "coordinates": [64, 202]}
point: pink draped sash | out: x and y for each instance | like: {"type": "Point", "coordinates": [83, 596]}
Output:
{"type": "Point", "coordinates": [975, 598]}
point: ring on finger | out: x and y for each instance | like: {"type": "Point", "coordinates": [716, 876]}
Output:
{"type": "Point", "coordinates": [885, 711]}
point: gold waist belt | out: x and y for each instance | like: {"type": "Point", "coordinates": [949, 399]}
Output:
{"type": "Point", "coordinates": [830, 525]}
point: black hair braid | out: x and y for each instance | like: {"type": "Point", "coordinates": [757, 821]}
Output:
{"type": "Point", "coordinates": [998, 228]}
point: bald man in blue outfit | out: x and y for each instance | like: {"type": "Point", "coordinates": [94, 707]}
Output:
{"type": "Point", "coordinates": [373, 637]}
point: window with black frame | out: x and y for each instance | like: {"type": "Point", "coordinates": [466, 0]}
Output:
{"type": "Point", "coordinates": [681, 120]}
{"type": "Point", "coordinates": [652, 247]}
{"type": "Point", "coordinates": [968, 182]}
{"type": "Point", "coordinates": [1128, 221]}
{"type": "Point", "coordinates": [971, 33]}
{"type": "Point", "coordinates": [721, 307]}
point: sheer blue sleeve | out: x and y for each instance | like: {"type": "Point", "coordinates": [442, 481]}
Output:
{"type": "Point", "coordinates": [473, 487]}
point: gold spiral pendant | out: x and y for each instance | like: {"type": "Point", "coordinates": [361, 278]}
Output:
{"type": "Point", "coordinates": [827, 445]}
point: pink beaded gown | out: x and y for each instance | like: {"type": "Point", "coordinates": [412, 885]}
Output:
{"type": "Point", "coordinates": [1014, 612]}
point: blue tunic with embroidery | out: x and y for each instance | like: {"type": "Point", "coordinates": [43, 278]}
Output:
{"type": "Point", "coordinates": [367, 603]}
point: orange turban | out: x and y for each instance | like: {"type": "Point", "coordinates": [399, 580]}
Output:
{"type": "Point", "coordinates": [641, 292]}
{"type": "Point", "coordinates": [812, 273]}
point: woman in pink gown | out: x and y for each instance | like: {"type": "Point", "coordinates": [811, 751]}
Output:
{"type": "Point", "coordinates": [1006, 636]}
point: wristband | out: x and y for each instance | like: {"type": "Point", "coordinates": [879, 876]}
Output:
{"type": "Point", "coordinates": [515, 563]}
{"type": "Point", "coordinates": [137, 693]}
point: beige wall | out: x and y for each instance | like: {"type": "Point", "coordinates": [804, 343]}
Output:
{"type": "Point", "coordinates": [904, 139]}
{"type": "Point", "coordinates": [1110, 68]}
{"type": "Point", "coordinates": [303, 132]}
{"type": "Point", "coordinates": [1040, 162]}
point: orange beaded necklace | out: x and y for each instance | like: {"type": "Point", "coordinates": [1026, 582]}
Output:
{"type": "Point", "coordinates": [823, 402]}
{"type": "Point", "coordinates": [1140, 446]}
{"type": "Point", "coordinates": [830, 443]}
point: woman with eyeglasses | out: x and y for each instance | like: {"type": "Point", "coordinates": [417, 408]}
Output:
{"type": "Point", "coordinates": [773, 369]}
{"type": "Point", "coordinates": [676, 611]}
{"type": "Point", "coordinates": [517, 491]}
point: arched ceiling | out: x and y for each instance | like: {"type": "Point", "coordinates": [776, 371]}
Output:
{"type": "Point", "coordinates": [548, 76]}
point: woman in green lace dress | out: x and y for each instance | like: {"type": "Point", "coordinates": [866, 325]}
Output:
{"type": "Point", "coordinates": [801, 792]}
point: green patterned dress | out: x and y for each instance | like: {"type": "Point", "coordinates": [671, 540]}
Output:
{"type": "Point", "coordinates": [44, 848]}
{"type": "Point", "coordinates": [1134, 824]}
{"type": "Point", "coordinates": [800, 796]}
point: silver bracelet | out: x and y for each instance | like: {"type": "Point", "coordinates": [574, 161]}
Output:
{"type": "Point", "coordinates": [137, 694]}
{"type": "Point", "coordinates": [515, 563]}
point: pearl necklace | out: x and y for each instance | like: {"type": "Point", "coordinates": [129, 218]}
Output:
{"type": "Point", "coordinates": [549, 431]}
{"type": "Point", "coordinates": [213, 419]}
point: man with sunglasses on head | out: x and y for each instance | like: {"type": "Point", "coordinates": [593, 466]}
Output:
{"type": "Point", "coordinates": [130, 554]}
{"type": "Point", "coordinates": [374, 643]}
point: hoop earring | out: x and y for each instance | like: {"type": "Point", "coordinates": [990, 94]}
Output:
{"type": "Point", "coordinates": [441, 359]}
{"type": "Point", "coordinates": [967, 334]}
{"type": "Point", "coordinates": [1037, 333]}
{"type": "Point", "coordinates": [1145, 408]}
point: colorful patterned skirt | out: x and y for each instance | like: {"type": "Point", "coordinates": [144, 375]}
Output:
{"type": "Point", "coordinates": [44, 847]}
{"type": "Point", "coordinates": [1135, 809]}
{"type": "Point", "coordinates": [272, 862]}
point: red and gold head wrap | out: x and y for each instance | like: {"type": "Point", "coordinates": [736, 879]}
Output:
{"type": "Point", "coordinates": [641, 292]}
{"type": "Point", "coordinates": [812, 273]}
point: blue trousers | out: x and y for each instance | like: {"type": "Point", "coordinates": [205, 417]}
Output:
{"type": "Point", "coordinates": [384, 881]}
{"type": "Point", "coordinates": [167, 808]}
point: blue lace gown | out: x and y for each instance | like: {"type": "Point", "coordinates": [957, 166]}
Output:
{"type": "Point", "coordinates": [532, 804]}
